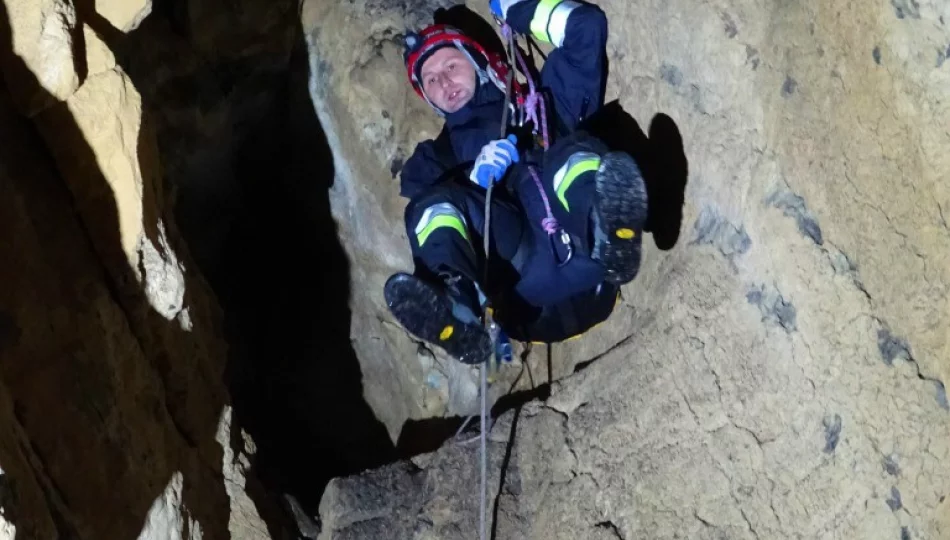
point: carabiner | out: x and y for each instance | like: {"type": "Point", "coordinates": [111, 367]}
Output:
{"type": "Point", "coordinates": [567, 243]}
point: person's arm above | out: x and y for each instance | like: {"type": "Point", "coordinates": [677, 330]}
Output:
{"type": "Point", "coordinates": [576, 26]}
{"type": "Point", "coordinates": [575, 70]}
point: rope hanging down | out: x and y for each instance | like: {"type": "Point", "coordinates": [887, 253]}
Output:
{"type": "Point", "coordinates": [489, 322]}
{"type": "Point", "coordinates": [532, 104]}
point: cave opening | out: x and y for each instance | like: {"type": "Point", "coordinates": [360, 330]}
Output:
{"type": "Point", "coordinates": [251, 169]}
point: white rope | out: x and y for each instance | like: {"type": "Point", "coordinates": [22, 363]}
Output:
{"type": "Point", "coordinates": [489, 323]}
{"type": "Point", "coordinates": [484, 452]}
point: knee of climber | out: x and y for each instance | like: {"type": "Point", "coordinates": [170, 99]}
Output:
{"type": "Point", "coordinates": [438, 221]}
{"type": "Point", "coordinates": [579, 168]}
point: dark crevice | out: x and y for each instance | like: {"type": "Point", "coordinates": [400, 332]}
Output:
{"type": "Point", "coordinates": [506, 461]}
{"type": "Point", "coordinates": [295, 379]}
{"type": "Point", "coordinates": [516, 400]}
{"type": "Point", "coordinates": [428, 435]}
{"type": "Point", "coordinates": [893, 348]}
{"type": "Point", "coordinates": [256, 216]}
{"type": "Point", "coordinates": [254, 212]}
{"type": "Point", "coordinates": [612, 527]}
{"type": "Point", "coordinates": [53, 493]}
{"type": "Point", "coordinates": [581, 366]}
{"type": "Point", "coordinates": [703, 521]}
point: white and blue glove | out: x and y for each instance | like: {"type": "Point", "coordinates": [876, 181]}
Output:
{"type": "Point", "coordinates": [493, 161]}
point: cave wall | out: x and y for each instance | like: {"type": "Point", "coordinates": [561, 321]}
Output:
{"type": "Point", "coordinates": [116, 421]}
{"type": "Point", "coordinates": [780, 372]}
{"type": "Point", "coordinates": [197, 170]}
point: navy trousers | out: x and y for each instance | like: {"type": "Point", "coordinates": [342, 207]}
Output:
{"type": "Point", "coordinates": [544, 287]}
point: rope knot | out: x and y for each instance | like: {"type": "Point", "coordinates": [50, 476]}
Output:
{"type": "Point", "coordinates": [531, 106]}
{"type": "Point", "coordinates": [550, 225]}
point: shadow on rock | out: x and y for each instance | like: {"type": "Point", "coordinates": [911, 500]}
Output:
{"type": "Point", "coordinates": [102, 386]}
{"type": "Point", "coordinates": [255, 211]}
{"type": "Point", "coordinates": [429, 434]}
{"type": "Point", "coordinates": [662, 161]}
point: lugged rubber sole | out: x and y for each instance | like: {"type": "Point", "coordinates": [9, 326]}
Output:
{"type": "Point", "coordinates": [426, 313]}
{"type": "Point", "coordinates": [620, 213]}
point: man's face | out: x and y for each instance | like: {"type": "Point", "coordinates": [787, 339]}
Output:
{"type": "Point", "coordinates": [448, 78]}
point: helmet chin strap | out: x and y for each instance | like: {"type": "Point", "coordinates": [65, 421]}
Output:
{"type": "Point", "coordinates": [480, 72]}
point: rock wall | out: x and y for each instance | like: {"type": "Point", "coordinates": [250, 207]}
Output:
{"type": "Point", "coordinates": [171, 173]}
{"type": "Point", "coordinates": [195, 171]}
{"type": "Point", "coordinates": [115, 419]}
{"type": "Point", "coordinates": [778, 373]}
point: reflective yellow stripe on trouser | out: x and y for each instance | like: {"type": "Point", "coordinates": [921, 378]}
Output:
{"type": "Point", "coordinates": [439, 216]}
{"type": "Point", "coordinates": [576, 165]}
{"type": "Point", "coordinates": [550, 20]}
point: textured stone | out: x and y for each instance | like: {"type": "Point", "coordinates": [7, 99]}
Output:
{"type": "Point", "coordinates": [165, 519]}
{"type": "Point", "coordinates": [114, 421]}
{"type": "Point", "coordinates": [125, 15]}
{"type": "Point", "coordinates": [102, 162]}
{"type": "Point", "coordinates": [21, 496]}
{"type": "Point", "coordinates": [84, 376]}
{"type": "Point", "coordinates": [39, 67]}
{"type": "Point", "coordinates": [245, 520]}
{"type": "Point", "coordinates": [99, 57]}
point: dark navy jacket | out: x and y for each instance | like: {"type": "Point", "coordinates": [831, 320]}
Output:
{"type": "Point", "coordinates": [573, 76]}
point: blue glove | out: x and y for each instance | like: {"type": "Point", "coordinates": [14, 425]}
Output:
{"type": "Point", "coordinates": [493, 161]}
{"type": "Point", "coordinates": [495, 7]}
{"type": "Point", "coordinates": [499, 8]}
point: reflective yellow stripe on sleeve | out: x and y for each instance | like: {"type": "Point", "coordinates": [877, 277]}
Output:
{"type": "Point", "coordinates": [576, 165]}
{"type": "Point", "coordinates": [549, 23]}
{"type": "Point", "coordinates": [439, 216]}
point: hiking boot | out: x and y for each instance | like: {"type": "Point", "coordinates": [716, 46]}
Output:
{"type": "Point", "coordinates": [619, 214]}
{"type": "Point", "coordinates": [447, 316]}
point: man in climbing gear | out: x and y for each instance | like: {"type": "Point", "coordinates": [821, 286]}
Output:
{"type": "Point", "coordinates": [564, 229]}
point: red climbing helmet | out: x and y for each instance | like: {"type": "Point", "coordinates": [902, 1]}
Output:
{"type": "Point", "coordinates": [432, 38]}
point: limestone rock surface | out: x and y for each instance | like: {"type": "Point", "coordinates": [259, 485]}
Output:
{"type": "Point", "coordinates": [779, 373]}
{"type": "Point", "coordinates": [39, 66]}
{"type": "Point", "coordinates": [125, 15]}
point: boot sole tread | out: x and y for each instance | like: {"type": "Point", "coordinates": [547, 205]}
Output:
{"type": "Point", "coordinates": [426, 314]}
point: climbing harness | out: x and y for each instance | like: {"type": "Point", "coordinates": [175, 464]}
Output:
{"type": "Point", "coordinates": [550, 224]}
{"type": "Point", "coordinates": [533, 104]}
